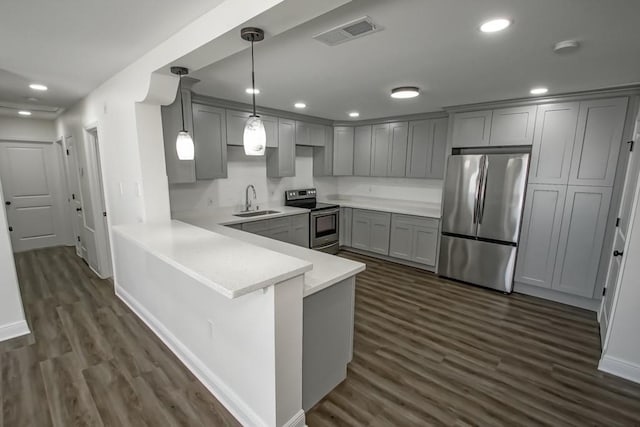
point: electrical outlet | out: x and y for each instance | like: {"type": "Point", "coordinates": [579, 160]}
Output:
{"type": "Point", "coordinates": [210, 328]}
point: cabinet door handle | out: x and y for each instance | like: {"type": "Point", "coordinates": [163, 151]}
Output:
{"type": "Point", "coordinates": [8, 203]}
{"type": "Point", "coordinates": [618, 253]}
{"type": "Point", "coordinates": [10, 228]}
{"type": "Point", "coordinates": [78, 209]}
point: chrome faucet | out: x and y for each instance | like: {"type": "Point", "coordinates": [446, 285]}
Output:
{"type": "Point", "coordinates": [247, 202]}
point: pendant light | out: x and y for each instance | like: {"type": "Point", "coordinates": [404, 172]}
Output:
{"type": "Point", "coordinates": [254, 138]}
{"type": "Point", "coordinates": [184, 142]}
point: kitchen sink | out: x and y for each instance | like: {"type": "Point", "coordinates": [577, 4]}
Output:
{"type": "Point", "coordinates": [255, 213]}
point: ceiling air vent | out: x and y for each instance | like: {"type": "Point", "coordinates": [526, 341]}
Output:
{"type": "Point", "coordinates": [349, 31]}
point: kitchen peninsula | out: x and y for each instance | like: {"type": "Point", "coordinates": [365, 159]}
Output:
{"type": "Point", "coordinates": [251, 317]}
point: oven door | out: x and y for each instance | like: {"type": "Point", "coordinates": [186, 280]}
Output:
{"type": "Point", "coordinates": [324, 227]}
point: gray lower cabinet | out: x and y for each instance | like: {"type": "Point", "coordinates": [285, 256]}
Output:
{"type": "Point", "coordinates": [281, 161]}
{"type": "Point", "coordinates": [540, 234]}
{"type": "Point", "coordinates": [553, 139]}
{"type": "Point", "coordinates": [427, 148]}
{"type": "Point", "coordinates": [581, 237]}
{"type": "Point", "coordinates": [292, 229]}
{"type": "Point", "coordinates": [342, 151]}
{"type": "Point", "coordinates": [210, 140]}
{"type": "Point", "coordinates": [236, 121]}
{"type": "Point", "coordinates": [370, 231]}
{"type": "Point", "coordinates": [362, 151]}
{"type": "Point", "coordinates": [346, 221]}
{"type": "Point", "coordinates": [598, 138]}
{"type": "Point", "coordinates": [414, 239]}
{"type": "Point", "coordinates": [178, 171]}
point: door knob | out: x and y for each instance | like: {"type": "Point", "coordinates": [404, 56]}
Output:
{"type": "Point", "coordinates": [8, 203]}
{"type": "Point", "coordinates": [618, 253]}
{"type": "Point", "coordinates": [10, 228]}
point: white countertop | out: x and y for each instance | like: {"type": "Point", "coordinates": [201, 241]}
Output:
{"type": "Point", "coordinates": [225, 216]}
{"type": "Point", "coordinates": [228, 264]}
{"type": "Point", "coordinates": [327, 269]}
{"type": "Point", "coordinates": [425, 209]}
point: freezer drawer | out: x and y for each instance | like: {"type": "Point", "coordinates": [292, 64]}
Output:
{"type": "Point", "coordinates": [486, 264]}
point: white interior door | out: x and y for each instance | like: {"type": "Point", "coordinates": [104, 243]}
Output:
{"type": "Point", "coordinates": [626, 203]}
{"type": "Point", "coordinates": [73, 182]}
{"type": "Point", "coordinates": [31, 175]}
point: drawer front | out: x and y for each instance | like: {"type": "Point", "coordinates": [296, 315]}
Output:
{"type": "Point", "coordinates": [256, 227]}
{"type": "Point", "coordinates": [417, 221]}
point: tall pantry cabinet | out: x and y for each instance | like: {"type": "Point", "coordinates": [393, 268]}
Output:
{"type": "Point", "coordinates": [573, 164]}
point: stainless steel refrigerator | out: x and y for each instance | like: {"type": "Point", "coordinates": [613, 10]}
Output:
{"type": "Point", "coordinates": [482, 211]}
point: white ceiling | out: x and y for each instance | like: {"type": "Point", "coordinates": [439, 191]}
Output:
{"type": "Point", "coordinates": [73, 46]}
{"type": "Point", "coordinates": [436, 45]}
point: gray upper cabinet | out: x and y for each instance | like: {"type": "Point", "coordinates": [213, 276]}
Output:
{"type": "Point", "coordinates": [210, 140]}
{"type": "Point", "coordinates": [281, 161]}
{"type": "Point", "coordinates": [235, 128]}
{"type": "Point", "coordinates": [381, 140]}
{"type": "Point", "coordinates": [323, 156]}
{"type": "Point", "coordinates": [178, 171]}
{"type": "Point", "coordinates": [343, 151]}
{"type": "Point", "coordinates": [553, 140]}
{"type": "Point", "coordinates": [310, 134]}
{"type": "Point", "coordinates": [540, 234]}
{"type": "Point", "coordinates": [512, 126]}
{"type": "Point", "coordinates": [427, 146]}
{"type": "Point", "coordinates": [581, 237]}
{"type": "Point", "coordinates": [397, 163]}
{"type": "Point", "coordinates": [362, 151]}
{"type": "Point", "coordinates": [597, 144]}
{"type": "Point", "coordinates": [471, 129]}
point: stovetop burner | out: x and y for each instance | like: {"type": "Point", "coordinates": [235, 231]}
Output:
{"type": "Point", "coordinates": [305, 198]}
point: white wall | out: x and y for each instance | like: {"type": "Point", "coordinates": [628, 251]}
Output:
{"type": "Point", "coordinates": [244, 170]}
{"type": "Point", "coordinates": [12, 321]}
{"type": "Point", "coordinates": [411, 189]}
{"type": "Point", "coordinates": [26, 129]}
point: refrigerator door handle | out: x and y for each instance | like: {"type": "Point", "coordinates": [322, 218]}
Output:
{"type": "Point", "coordinates": [483, 191]}
{"type": "Point", "coordinates": [476, 209]}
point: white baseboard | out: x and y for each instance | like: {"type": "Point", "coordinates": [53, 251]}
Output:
{"type": "Point", "coordinates": [620, 368]}
{"type": "Point", "coordinates": [561, 297]}
{"type": "Point", "coordinates": [14, 330]}
{"type": "Point", "coordinates": [298, 420]}
{"type": "Point", "coordinates": [238, 408]}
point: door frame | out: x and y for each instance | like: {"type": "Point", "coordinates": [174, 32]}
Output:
{"type": "Point", "coordinates": [94, 164]}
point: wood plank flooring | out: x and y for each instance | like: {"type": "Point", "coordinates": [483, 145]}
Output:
{"type": "Point", "coordinates": [89, 360]}
{"type": "Point", "coordinates": [427, 352]}
{"type": "Point", "coordinates": [433, 352]}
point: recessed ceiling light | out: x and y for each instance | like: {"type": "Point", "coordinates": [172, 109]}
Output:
{"type": "Point", "coordinates": [252, 91]}
{"type": "Point", "coordinates": [300, 105]}
{"type": "Point", "coordinates": [495, 25]}
{"type": "Point", "coordinates": [354, 114]}
{"type": "Point", "coordinates": [538, 91]}
{"type": "Point", "coordinates": [37, 86]}
{"type": "Point", "coordinates": [405, 92]}
{"type": "Point", "coordinates": [24, 113]}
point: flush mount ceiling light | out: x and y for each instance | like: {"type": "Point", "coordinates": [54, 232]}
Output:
{"type": "Point", "coordinates": [254, 138]}
{"type": "Point", "coordinates": [405, 92]}
{"type": "Point", "coordinates": [354, 114]}
{"type": "Point", "coordinates": [566, 46]}
{"type": "Point", "coordinates": [300, 105]}
{"type": "Point", "coordinates": [24, 113]}
{"type": "Point", "coordinates": [38, 86]}
{"type": "Point", "coordinates": [184, 142]}
{"type": "Point", "coordinates": [538, 91]}
{"type": "Point", "coordinates": [495, 25]}
{"type": "Point", "coordinates": [252, 91]}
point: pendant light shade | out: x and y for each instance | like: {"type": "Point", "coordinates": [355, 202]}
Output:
{"type": "Point", "coordinates": [184, 146]}
{"type": "Point", "coordinates": [184, 142]}
{"type": "Point", "coordinates": [254, 138]}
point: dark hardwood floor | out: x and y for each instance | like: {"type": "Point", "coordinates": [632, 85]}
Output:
{"type": "Point", "coordinates": [427, 352]}
{"type": "Point", "coordinates": [433, 352]}
{"type": "Point", "coordinates": [89, 361]}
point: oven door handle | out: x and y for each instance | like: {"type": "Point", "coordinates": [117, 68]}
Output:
{"type": "Point", "coordinates": [325, 212]}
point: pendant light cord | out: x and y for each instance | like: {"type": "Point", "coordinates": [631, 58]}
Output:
{"type": "Point", "coordinates": [181, 102]}
{"type": "Point", "coordinates": [253, 81]}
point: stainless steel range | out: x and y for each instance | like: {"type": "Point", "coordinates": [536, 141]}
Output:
{"type": "Point", "coordinates": [324, 219]}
